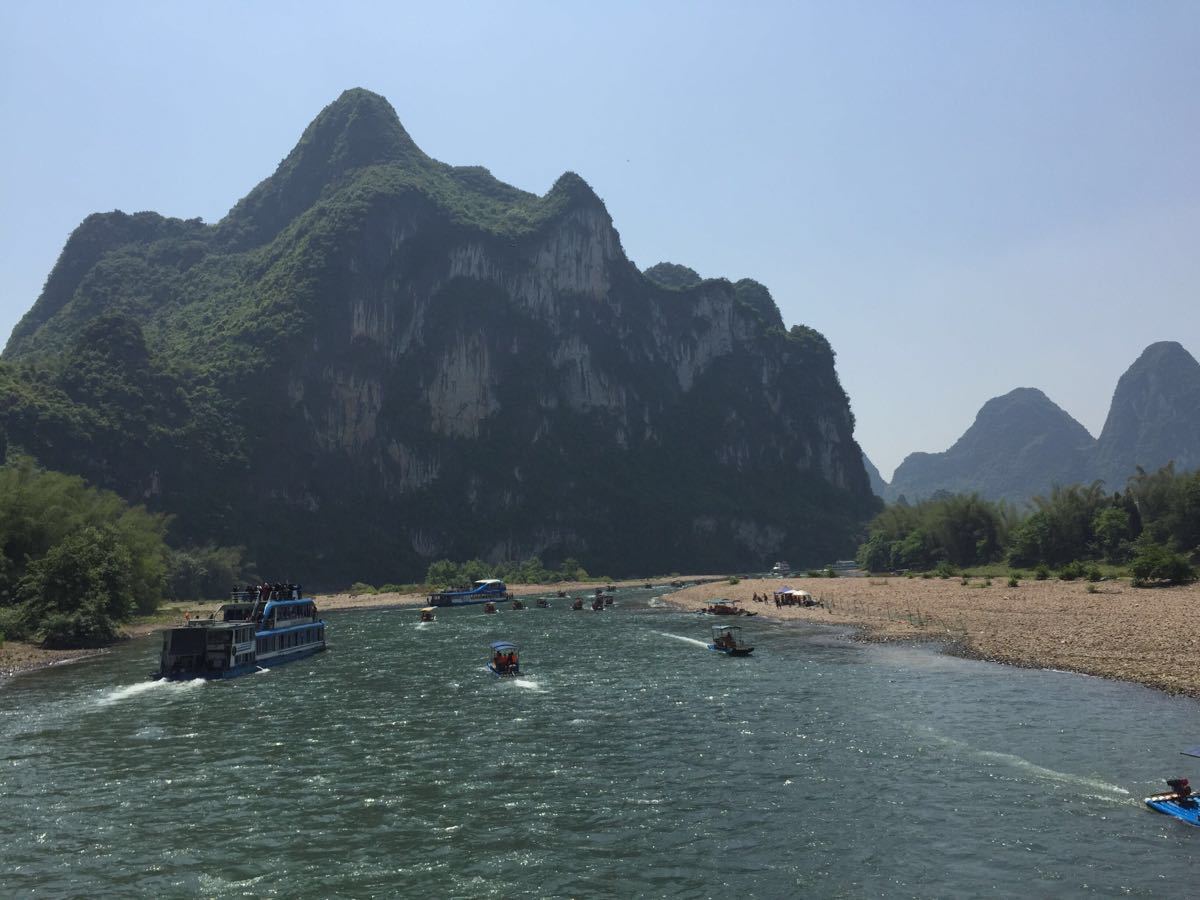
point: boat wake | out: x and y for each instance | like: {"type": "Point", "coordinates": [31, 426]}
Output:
{"type": "Point", "coordinates": [686, 640]}
{"type": "Point", "coordinates": [1107, 791]}
{"type": "Point", "coordinates": [129, 691]}
{"type": "Point", "coordinates": [527, 684]}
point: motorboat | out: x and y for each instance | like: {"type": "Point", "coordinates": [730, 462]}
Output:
{"type": "Point", "coordinates": [727, 639]}
{"type": "Point", "coordinates": [1181, 801]}
{"type": "Point", "coordinates": [427, 614]}
{"type": "Point", "coordinates": [489, 607]}
{"type": "Point", "coordinates": [504, 659]}
{"type": "Point", "coordinates": [726, 608]}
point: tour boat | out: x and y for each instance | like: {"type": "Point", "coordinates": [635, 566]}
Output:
{"type": "Point", "coordinates": [504, 661]}
{"type": "Point", "coordinates": [481, 592]}
{"type": "Point", "coordinates": [727, 639]}
{"type": "Point", "coordinates": [255, 631]}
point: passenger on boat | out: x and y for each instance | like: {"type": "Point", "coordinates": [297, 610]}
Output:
{"type": "Point", "coordinates": [1182, 789]}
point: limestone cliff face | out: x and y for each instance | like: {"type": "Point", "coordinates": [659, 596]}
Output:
{"type": "Point", "coordinates": [423, 363]}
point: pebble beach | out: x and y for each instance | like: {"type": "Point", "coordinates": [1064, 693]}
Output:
{"type": "Point", "coordinates": [1143, 635]}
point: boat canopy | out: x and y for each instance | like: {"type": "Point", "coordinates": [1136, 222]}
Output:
{"type": "Point", "coordinates": [484, 581]}
{"type": "Point", "coordinates": [429, 609]}
{"type": "Point", "coordinates": [503, 645]}
{"type": "Point", "coordinates": [722, 629]}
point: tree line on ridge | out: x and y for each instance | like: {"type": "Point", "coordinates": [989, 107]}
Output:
{"type": "Point", "coordinates": [1152, 527]}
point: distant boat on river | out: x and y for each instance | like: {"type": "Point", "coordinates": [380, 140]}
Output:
{"type": "Point", "coordinates": [484, 590]}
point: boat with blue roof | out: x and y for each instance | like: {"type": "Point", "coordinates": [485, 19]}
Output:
{"type": "Point", "coordinates": [486, 590]}
{"type": "Point", "coordinates": [504, 661]}
{"type": "Point", "coordinates": [260, 627]}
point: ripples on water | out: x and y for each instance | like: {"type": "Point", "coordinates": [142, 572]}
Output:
{"type": "Point", "coordinates": [629, 760]}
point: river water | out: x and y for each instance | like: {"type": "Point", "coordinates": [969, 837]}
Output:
{"type": "Point", "coordinates": [628, 761]}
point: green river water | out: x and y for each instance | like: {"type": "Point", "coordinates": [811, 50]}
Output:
{"type": "Point", "coordinates": [628, 761]}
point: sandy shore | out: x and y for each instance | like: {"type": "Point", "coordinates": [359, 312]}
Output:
{"type": "Point", "coordinates": [1142, 635]}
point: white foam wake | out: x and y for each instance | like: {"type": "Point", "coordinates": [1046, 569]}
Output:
{"type": "Point", "coordinates": [1030, 768]}
{"type": "Point", "coordinates": [680, 637]}
{"type": "Point", "coordinates": [129, 691]}
{"type": "Point", "coordinates": [527, 684]}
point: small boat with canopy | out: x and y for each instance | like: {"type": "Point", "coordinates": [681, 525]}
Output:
{"type": "Point", "coordinates": [727, 639]}
{"type": "Point", "coordinates": [1182, 801]}
{"type": "Point", "coordinates": [427, 614]}
{"type": "Point", "coordinates": [504, 661]}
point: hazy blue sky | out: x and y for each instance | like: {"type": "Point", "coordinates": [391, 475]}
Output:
{"type": "Point", "coordinates": [964, 197]}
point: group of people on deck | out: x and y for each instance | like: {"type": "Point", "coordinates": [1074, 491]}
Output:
{"type": "Point", "coordinates": [506, 663]}
{"type": "Point", "coordinates": [267, 591]}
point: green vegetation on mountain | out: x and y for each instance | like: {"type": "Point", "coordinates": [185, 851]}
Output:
{"type": "Point", "coordinates": [1153, 526]}
{"type": "Point", "coordinates": [672, 275]}
{"type": "Point", "coordinates": [79, 561]}
{"type": "Point", "coordinates": [377, 360]}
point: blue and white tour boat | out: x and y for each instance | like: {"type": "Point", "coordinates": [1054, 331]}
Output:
{"type": "Point", "coordinates": [259, 628]}
{"type": "Point", "coordinates": [483, 591]}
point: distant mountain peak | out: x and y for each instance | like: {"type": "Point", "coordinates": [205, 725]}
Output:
{"type": "Point", "coordinates": [575, 190]}
{"type": "Point", "coordinates": [1019, 445]}
{"type": "Point", "coordinates": [358, 129]}
{"type": "Point", "coordinates": [1155, 415]}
